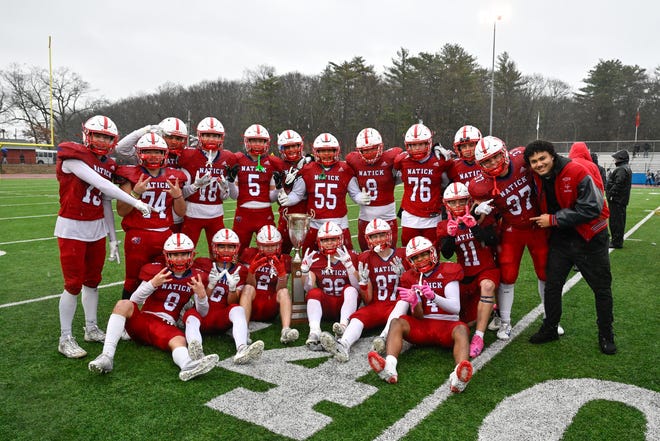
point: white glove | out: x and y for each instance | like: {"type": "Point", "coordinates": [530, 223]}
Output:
{"type": "Point", "coordinates": [363, 273]}
{"type": "Point", "coordinates": [305, 160]}
{"type": "Point", "coordinates": [282, 197]}
{"type": "Point", "coordinates": [154, 129]}
{"type": "Point", "coordinates": [224, 187]}
{"type": "Point", "coordinates": [201, 181]}
{"type": "Point", "coordinates": [145, 209]}
{"type": "Point", "coordinates": [214, 277]}
{"type": "Point", "coordinates": [441, 152]}
{"type": "Point", "coordinates": [397, 266]}
{"type": "Point", "coordinates": [308, 260]}
{"type": "Point", "coordinates": [291, 175]}
{"type": "Point", "coordinates": [484, 207]}
{"type": "Point", "coordinates": [114, 251]}
{"type": "Point", "coordinates": [363, 198]}
{"type": "Point", "coordinates": [233, 279]}
{"type": "Point", "coordinates": [345, 257]}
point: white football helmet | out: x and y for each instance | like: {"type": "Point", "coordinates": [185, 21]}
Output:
{"type": "Point", "coordinates": [418, 141]}
{"type": "Point", "coordinates": [175, 134]}
{"type": "Point", "coordinates": [326, 149]}
{"type": "Point", "coordinates": [256, 132]}
{"type": "Point", "coordinates": [175, 244]}
{"type": "Point", "coordinates": [457, 191]}
{"type": "Point", "coordinates": [378, 226]}
{"type": "Point", "coordinates": [225, 245]}
{"type": "Point", "coordinates": [419, 245]}
{"type": "Point", "coordinates": [210, 126]}
{"type": "Point", "coordinates": [151, 151]}
{"type": "Point", "coordinates": [492, 156]}
{"type": "Point", "coordinates": [269, 240]}
{"type": "Point", "coordinates": [291, 145]}
{"type": "Point", "coordinates": [329, 230]}
{"type": "Point", "coordinates": [100, 125]}
{"type": "Point", "coordinates": [369, 144]}
{"type": "Point", "coordinates": [464, 141]}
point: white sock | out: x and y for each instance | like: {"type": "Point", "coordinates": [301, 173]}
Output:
{"type": "Point", "coordinates": [181, 357]}
{"type": "Point", "coordinates": [505, 301]}
{"type": "Point", "coordinates": [314, 314]}
{"type": "Point", "coordinates": [68, 304]}
{"type": "Point", "coordinates": [116, 324]}
{"type": "Point", "coordinates": [400, 308]}
{"type": "Point", "coordinates": [479, 333]}
{"type": "Point", "coordinates": [240, 329]}
{"type": "Point", "coordinates": [349, 306]}
{"type": "Point", "coordinates": [192, 329]}
{"type": "Point", "coordinates": [90, 302]}
{"type": "Point", "coordinates": [390, 363]}
{"type": "Point", "coordinates": [541, 286]}
{"type": "Point", "coordinates": [352, 332]}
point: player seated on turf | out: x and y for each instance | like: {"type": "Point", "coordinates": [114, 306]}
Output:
{"type": "Point", "coordinates": [331, 284]}
{"type": "Point", "coordinates": [473, 240]}
{"type": "Point", "coordinates": [265, 292]}
{"type": "Point", "coordinates": [226, 281]}
{"type": "Point", "coordinates": [379, 270]}
{"type": "Point", "coordinates": [431, 288]}
{"type": "Point", "coordinates": [164, 290]}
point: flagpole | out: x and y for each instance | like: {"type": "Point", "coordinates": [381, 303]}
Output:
{"type": "Point", "coordinates": [538, 123]}
{"type": "Point", "coordinates": [636, 124]}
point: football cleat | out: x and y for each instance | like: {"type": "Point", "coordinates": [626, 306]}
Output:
{"type": "Point", "coordinates": [196, 350]}
{"type": "Point", "coordinates": [377, 363]}
{"type": "Point", "coordinates": [476, 346]}
{"type": "Point", "coordinates": [378, 344]}
{"type": "Point", "coordinates": [313, 342]}
{"type": "Point", "coordinates": [199, 367]}
{"type": "Point", "coordinates": [504, 333]}
{"type": "Point", "coordinates": [69, 348]}
{"type": "Point", "coordinates": [338, 329]}
{"type": "Point", "coordinates": [496, 322]}
{"type": "Point", "coordinates": [336, 347]}
{"type": "Point", "coordinates": [249, 353]}
{"type": "Point", "coordinates": [460, 377]}
{"type": "Point", "coordinates": [560, 330]}
{"type": "Point", "coordinates": [94, 333]}
{"type": "Point", "coordinates": [101, 364]}
{"type": "Point", "coordinates": [289, 335]}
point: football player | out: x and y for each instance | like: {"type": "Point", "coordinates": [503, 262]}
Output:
{"type": "Point", "coordinates": [464, 168]}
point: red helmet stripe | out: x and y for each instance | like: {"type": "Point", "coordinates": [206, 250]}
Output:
{"type": "Point", "coordinates": [176, 124]}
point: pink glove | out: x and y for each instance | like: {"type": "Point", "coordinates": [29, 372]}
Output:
{"type": "Point", "coordinates": [426, 291]}
{"type": "Point", "coordinates": [468, 220]}
{"type": "Point", "coordinates": [452, 227]}
{"type": "Point", "coordinates": [408, 295]}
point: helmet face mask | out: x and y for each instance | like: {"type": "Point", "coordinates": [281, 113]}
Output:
{"type": "Point", "coordinates": [211, 134]}
{"type": "Point", "coordinates": [378, 235]}
{"type": "Point", "coordinates": [326, 149]}
{"type": "Point", "coordinates": [151, 151]}
{"type": "Point", "coordinates": [418, 141]}
{"type": "Point", "coordinates": [100, 135]}
{"type": "Point", "coordinates": [256, 140]}
{"type": "Point", "coordinates": [330, 238]}
{"type": "Point", "coordinates": [457, 199]}
{"type": "Point", "coordinates": [225, 245]}
{"type": "Point", "coordinates": [175, 134]}
{"type": "Point", "coordinates": [421, 254]}
{"type": "Point", "coordinates": [465, 141]}
{"type": "Point", "coordinates": [291, 145]}
{"type": "Point", "coordinates": [492, 156]}
{"type": "Point", "coordinates": [269, 241]}
{"type": "Point", "coordinates": [369, 144]}
{"type": "Point", "coordinates": [179, 252]}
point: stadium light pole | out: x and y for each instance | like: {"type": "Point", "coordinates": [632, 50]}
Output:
{"type": "Point", "coordinates": [492, 76]}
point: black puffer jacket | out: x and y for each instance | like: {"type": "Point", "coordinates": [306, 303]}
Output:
{"type": "Point", "coordinates": [620, 180]}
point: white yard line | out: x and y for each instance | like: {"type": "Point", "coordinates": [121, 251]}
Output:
{"type": "Point", "coordinates": [27, 217]}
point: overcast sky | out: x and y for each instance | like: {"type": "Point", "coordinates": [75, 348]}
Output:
{"type": "Point", "coordinates": [125, 48]}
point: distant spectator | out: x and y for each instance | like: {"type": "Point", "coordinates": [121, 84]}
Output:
{"type": "Point", "coordinates": [601, 169]}
{"type": "Point", "coordinates": [647, 147]}
{"type": "Point", "coordinates": [618, 195]}
{"type": "Point", "coordinates": [650, 178]}
{"type": "Point", "coordinates": [636, 150]}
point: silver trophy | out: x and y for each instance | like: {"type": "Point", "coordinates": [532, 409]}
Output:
{"type": "Point", "coordinates": [298, 224]}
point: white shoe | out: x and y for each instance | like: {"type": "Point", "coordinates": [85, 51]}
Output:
{"type": "Point", "coordinates": [101, 364]}
{"type": "Point", "coordinates": [125, 336]}
{"type": "Point", "coordinates": [504, 333]}
{"type": "Point", "coordinates": [379, 365]}
{"type": "Point", "coordinates": [249, 353]}
{"type": "Point", "coordinates": [69, 347]}
{"type": "Point", "coordinates": [289, 335]}
{"type": "Point", "coordinates": [313, 342]}
{"type": "Point", "coordinates": [195, 350]}
{"type": "Point", "coordinates": [460, 377]}
{"type": "Point", "coordinates": [338, 329]}
{"type": "Point", "coordinates": [495, 323]}
{"type": "Point", "coordinates": [378, 344]}
{"type": "Point", "coordinates": [560, 330]}
{"type": "Point", "coordinates": [336, 347]}
{"type": "Point", "coordinates": [94, 333]}
{"type": "Point", "coordinates": [199, 367]}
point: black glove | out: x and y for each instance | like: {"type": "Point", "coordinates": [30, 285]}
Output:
{"type": "Point", "coordinates": [278, 177]}
{"type": "Point", "coordinates": [231, 172]}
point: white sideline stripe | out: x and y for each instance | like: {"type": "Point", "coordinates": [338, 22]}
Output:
{"type": "Point", "coordinates": [415, 415]}
{"type": "Point", "coordinates": [27, 217]}
{"type": "Point", "coordinates": [29, 205]}
{"type": "Point", "coordinates": [23, 302]}
{"type": "Point", "coordinates": [39, 239]}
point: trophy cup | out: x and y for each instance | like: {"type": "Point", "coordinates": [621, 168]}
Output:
{"type": "Point", "coordinates": [298, 225]}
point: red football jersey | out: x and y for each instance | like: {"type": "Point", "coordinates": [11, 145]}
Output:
{"type": "Point", "coordinates": [378, 178]}
{"type": "Point", "coordinates": [443, 274]}
{"type": "Point", "coordinates": [422, 184]}
{"type": "Point", "coordinates": [471, 254]}
{"type": "Point", "coordinates": [326, 189]}
{"type": "Point", "coordinates": [333, 280]}
{"type": "Point", "coordinates": [219, 294]}
{"type": "Point", "coordinates": [462, 171]}
{"type": "Point", "coordinates": [254, 185]}
{"type": "Point", "coordinates": [156, 195]}
{"type": "Point", "coordinates": [266, 276]}
{"type": "Point", "coordinates": [384, 281]}
{"type": "Point", "coordinates": [193, 161]}
{"type": "Point", "coordinates": [78, 199]}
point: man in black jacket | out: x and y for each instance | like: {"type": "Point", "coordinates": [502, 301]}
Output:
{"type": "Point", "coordinates": [618, 195]}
